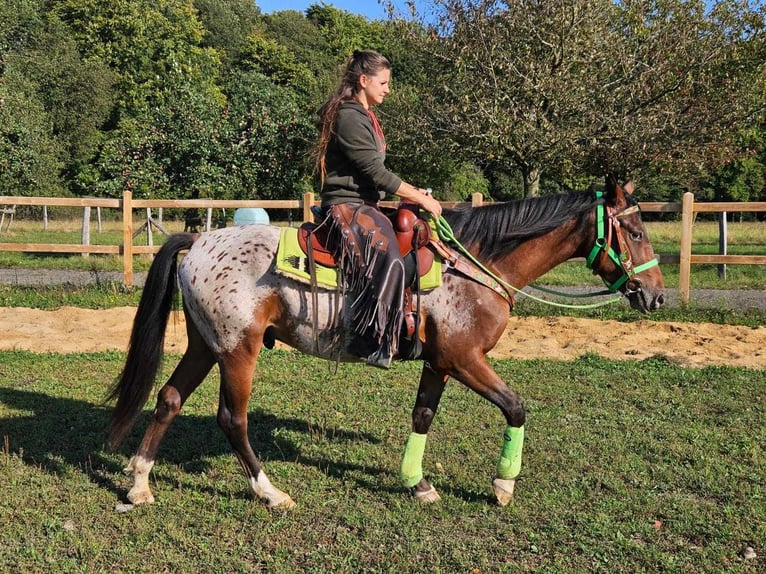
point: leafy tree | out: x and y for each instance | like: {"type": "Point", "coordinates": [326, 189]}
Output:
{"type": "Point", "coordinates": [53, 102]}
{"type": "Point", "coordinates": [272, 139]}
{"type": "Point", "coordinates": [591, 85]}
{"type": "Point", "coordinates": [164, 138]}
{"type": "Point", "coordinates": [345, 32]}
{"type": "Point", "coordinates": [275, 61]}
{"type": "Point", "coordinates": [310, 51]}
{"type": "Point", "coordinates": [147, 43]}
{"type": "Point", "coordinates": [227, 25]}
{"type": "Point", "coordinates": [76, 94]}
{"type": "Point", "coordinates": [743, 179]}
{"type": "Point", "coordinates": [180, 149]}
{"type": "Point", "coordinates": [29, 152]}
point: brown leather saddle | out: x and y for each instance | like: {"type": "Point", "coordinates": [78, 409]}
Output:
{"type": "Point", "coordinates": [412, 233]}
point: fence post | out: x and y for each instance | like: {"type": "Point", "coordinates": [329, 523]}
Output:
{"type": "Point", "coordinates": [477, 199]}
{"type": "Point", "coordinates": [722, 242]}
{"type": "Point", "coordinates": [308, 202]}
{"type": "Point", "coordinates": [85, 235]}
{"type": "Point", "coordinates": [149, 235]}
{"type": "Point", "coordinates": [127, 238]}
{"type": "Point", "coordinates": [684, 271]}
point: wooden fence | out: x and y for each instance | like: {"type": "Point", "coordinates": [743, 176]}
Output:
{"type": "Point", "coordinates": [688, 208]}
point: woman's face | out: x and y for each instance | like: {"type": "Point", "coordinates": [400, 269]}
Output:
{"type": "Point", "coordinates": [374, 88]}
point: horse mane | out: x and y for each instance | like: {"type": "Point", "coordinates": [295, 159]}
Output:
{"type": "Point", "coordinates": [497, 229]}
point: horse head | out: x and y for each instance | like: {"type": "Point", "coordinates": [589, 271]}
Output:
{"type": "Point", "coordinates": [623, 255]}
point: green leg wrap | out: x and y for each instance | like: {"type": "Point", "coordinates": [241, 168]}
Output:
{"type": "Point", "coordinates": [509, 465]}
{"type": "Point", "coordinates": [412, 461]}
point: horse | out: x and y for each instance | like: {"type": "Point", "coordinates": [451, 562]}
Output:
{"type": "Point", "coordinates": [235, 303]}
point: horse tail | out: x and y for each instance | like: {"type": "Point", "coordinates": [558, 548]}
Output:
{"type": "Point", "coordinates": [147, 338]}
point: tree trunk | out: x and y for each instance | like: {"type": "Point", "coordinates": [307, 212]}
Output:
{"type": "Point", "coordinates": [532, 182]}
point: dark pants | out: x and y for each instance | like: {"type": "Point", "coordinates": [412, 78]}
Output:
{"type": "Point", "coordinates": [373, 273]}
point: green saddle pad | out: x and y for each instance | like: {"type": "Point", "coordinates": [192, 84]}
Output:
{"type": "Point", "coordinates": [293, 262]}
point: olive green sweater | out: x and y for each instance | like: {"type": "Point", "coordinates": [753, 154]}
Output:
{"type": "Point", "coordinates": [355, 162]}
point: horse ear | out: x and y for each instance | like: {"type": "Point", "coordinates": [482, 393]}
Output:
{"type": "Point", "coordinates": [615, 194]}
{"type": "Point", "coordinates": [628, 187]}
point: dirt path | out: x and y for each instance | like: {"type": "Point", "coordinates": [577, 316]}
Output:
{"type": "Point", "coordinates": [70, 330]}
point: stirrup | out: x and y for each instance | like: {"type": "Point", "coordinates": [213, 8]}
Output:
{"type": "Point", "coordinates": [382, 357]}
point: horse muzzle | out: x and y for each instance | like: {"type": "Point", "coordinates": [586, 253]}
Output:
{"type": "Point", "coordinates": [642, 299]}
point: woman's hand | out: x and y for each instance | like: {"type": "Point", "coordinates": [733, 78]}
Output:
{"type": "Point", "coordinates": [420, 196]}
{"type": "Point", "coordinates": [430, 205]}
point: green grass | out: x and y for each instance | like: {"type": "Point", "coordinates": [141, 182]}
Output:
{"type": "Point", "coordinates": [98, 296]}
{"type": "Point", "coordinates": [628, 467]}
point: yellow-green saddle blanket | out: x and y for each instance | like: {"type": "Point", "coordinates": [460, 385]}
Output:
{"type": "Point", "coordinates": [293, 262]}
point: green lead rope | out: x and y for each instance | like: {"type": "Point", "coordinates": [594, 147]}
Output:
{"type": "Point", "coordinates": [446, 234]}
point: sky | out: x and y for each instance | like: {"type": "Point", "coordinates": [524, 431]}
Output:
{"type": "Point", "coordinates": [372, 9]}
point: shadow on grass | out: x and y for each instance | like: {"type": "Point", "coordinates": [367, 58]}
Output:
{"type": "Point", "coordinates": [58, 435]}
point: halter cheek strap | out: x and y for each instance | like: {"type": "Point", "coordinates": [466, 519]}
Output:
{"type": "Point", "coordinates": [603, 245]}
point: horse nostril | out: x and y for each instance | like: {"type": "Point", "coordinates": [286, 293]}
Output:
{"type": "Point", "coordinates": [659, 301]}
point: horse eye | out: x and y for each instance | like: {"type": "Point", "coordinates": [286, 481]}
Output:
{"type": "Point", "coordinates": [636, 236]}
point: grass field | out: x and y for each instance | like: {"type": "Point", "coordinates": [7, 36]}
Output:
{"type": "Point", "coordinates": [628, 467]}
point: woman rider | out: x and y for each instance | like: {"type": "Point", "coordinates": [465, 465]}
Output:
{"type": "Point", "coordinates": [350, 162]}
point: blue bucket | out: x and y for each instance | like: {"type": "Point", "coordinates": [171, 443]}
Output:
{"type": "Point", "coordinates": [250, 215]}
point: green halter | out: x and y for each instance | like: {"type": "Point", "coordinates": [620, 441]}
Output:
{"type": "Point", "coordinates": [621, 259]}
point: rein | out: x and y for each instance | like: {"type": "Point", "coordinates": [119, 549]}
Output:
{"type": "Point", "coordinates": [602, 245]}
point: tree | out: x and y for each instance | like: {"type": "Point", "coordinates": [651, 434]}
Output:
{"type": "Point", "coordinates": [76, 94]}
{"type": "Point", "coordinates": [275, 61]}
{"type": "Point", "coordinates": [227, 25]}
{"type": "Point", "coordinates": [147, 44]}
{"type": "Point", "coordinates": [53, 102]}
{"type": "Point", "coordinates": [29, 153]}
{"type": "Point", "coordinates": [591, 85]}
{"type": "Point", "coordinates": [272, 138]}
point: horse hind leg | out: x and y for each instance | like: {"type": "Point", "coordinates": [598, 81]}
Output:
{"type": "Point", "coordinates": [187, 376]}
{"type": "Point", "coordinates": [237, 370]}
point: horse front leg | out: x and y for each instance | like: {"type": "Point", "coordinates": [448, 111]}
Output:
{"type": "Point", "coordinates": [479, 376]}
{"type": "Point", "coordinates": [427, 402]}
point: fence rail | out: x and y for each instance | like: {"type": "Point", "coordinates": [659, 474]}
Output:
{"type": "Point", "coordinates": [685, 259]}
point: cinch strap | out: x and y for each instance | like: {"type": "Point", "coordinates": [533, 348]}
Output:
{"type": "Point", "coordinates": [509, 465]}
{"type": "Point", "coordinates": [412, 462]}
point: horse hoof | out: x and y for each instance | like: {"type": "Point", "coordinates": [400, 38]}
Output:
{"type": "Point", "coordinates": [426, 496]}
{"type": "Point", "coordinates": [285, 503]}
{"type": "Point", "coordinates": [503, 490]}
{"type": "Point", "coordinates": [141, 497]}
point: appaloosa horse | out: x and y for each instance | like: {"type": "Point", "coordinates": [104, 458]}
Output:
{"type": "Point", "coordinates": [235, 302]}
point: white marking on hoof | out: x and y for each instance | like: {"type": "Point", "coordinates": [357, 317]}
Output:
{"type": "Point", "coordinates": [503, 490]}
{"type": "Point", "coordinates": [274, 498]}
{"type": "Point", "coordinates": [140, 493]}
{"type": "Point", "coordinates": [286, 503]}
{"type": "Point", "coordinates": [428, 496]}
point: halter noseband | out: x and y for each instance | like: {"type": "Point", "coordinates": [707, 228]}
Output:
{"type": "Point", "coordinates": [603, 244]}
